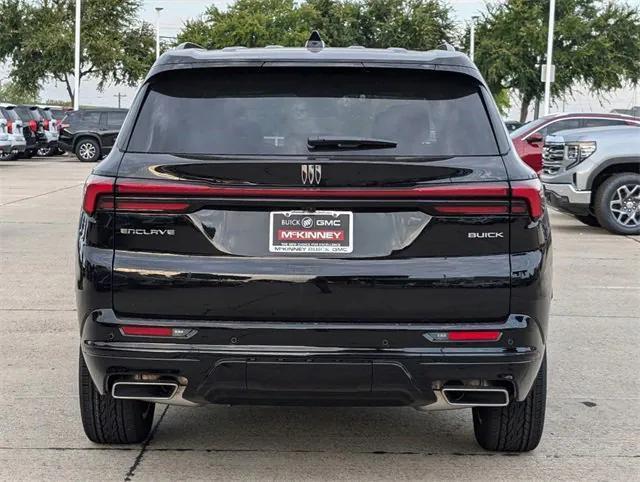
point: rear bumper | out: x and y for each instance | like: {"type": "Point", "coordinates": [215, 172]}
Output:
{"type": "Point", "coordinates": [65, 144]}
{"type": "Point", "coordinates": [313, 363]}
{"type": "Point", "coordinates": [19, 145]}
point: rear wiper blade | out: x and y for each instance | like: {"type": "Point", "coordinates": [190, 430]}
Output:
{"type": "Point", "coordinates": [341, 142]}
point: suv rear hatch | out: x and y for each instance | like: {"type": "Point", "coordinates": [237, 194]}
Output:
{"type": "Point", "coordinates": [311, 194]}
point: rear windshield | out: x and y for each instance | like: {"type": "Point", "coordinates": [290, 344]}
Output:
{"type": "Point", "coordinates": [11, 114]}
{"type": "Point", "coordinates": [28, 113]}
{"type": "Point", "coordinates": [276, 111]}
{"type": "Point", "coordinates": [45, 113]}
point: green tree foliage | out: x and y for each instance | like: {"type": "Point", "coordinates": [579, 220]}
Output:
{"type": "Point", "coordinates": [13, 93]}
{"type": "Point", "coordinates": [596, 44]}
{"type": "Point", "coordinates": [37, 37]}
{"type": "Point", "coordinates": [416, 24]}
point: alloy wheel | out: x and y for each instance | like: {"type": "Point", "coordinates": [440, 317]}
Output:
{"type": "Point", "coordinates": [625, 205]}
{"type": "Point", "coordinates": [87, 151]}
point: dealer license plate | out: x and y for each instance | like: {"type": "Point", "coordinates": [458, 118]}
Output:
{"type": "Point", "coordinates": [303, 232]}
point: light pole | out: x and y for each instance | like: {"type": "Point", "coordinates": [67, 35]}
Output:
{"type": "Point", "coordinates": [76, 79]}
{"type": "Point", "coordinates": [547, 79]}
{"type": "Point", "coordinates": [472, 41]}
{"type": "Point", "coordinates": [158, 10]}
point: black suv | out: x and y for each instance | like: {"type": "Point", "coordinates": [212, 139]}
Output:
{"type": "Point", "coordinates": [314, 226]}
{"type": "Point", "coordinates": [90, 134]}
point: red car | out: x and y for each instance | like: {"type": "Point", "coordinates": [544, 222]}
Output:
{"type": "Point", "coordinates": [529, 138]}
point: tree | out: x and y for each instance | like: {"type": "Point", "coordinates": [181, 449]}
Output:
{"type": "Point", "coordinates": [416, 24]}
{"type": "Point", "coordinates": [15, 94]}
{"type": "Point", "coordinates": [595, 44]}
{"type": "Point", "coordinates": [412, 24]}
{"type": "Point", "coordinates": [251, 23]}
{"type": "Point", "coordinates": [38, 40]}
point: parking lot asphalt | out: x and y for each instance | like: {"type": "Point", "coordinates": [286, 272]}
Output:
{"type": "Point", "coordinates": [593, 414]}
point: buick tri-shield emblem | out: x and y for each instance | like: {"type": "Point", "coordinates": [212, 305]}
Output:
{"type": "Point", "coordinates": [311, 173]}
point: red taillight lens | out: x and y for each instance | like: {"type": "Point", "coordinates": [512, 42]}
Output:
{"type": "Point", "coordinates": [33, 126]}
{"type": "Point", "coordinates": [94, 187]}
{"type": "Point", "coordinates": [531, 192]}
{"type": "Point", "coordinates": [46, 124]}
{"type": "Point", "coordinates": [462, 199]}
{"type": "Point", "coordinates": [471, 209]}
{"type": "Point", "coordinates": [10, 127]}
{"type": "Point", "coordinates": [142, 205]}
{"type": "Point", "coordinates": [471, 190]}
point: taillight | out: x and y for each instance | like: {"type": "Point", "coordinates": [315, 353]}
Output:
{"type": "Point", "coordinates": [531, 193]}
{"type": "Point", "coordinates": [94, 188]}
{"type": "Point", "coordinates": [10, 127]}
{"type": "Point", "coordinates": [476, 199]}
{"type": "Point", "coordinates": [46, 124]}
{"type": "Point", "coordinates": [33, 126]}
{"type": "Point", "coordinates": [471, 190]}
{"type": "Point", "coordinates": [141, 205]}
{"type": "Point", "coordinates": [472, 209]}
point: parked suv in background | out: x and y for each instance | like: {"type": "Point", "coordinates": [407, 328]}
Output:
{"type": "Point", "coordinates": [5, 141]}
{"type": "Point", "coordinates": [90, 134]}
{"type": "Point", "coordinates": [594, 174]}
{"type": "Point", "coordinates": [315, 226]}
{"type": "Point", "coordinates": [50, 125]}
{"type": "Point", "coordinates": [14, 133]}
{"type": "Point", "coordinates": [529, 138]}
{"type": "Point", "coordinates": [33, 129]}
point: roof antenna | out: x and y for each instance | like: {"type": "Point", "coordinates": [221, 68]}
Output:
{"type": "Point", "coordinates": [446, 46]}
{"type": "Point", "coordinates": [315, 41]}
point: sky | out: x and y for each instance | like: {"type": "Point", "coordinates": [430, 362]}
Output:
{"type": "Point", "coordinates": [176, 12]}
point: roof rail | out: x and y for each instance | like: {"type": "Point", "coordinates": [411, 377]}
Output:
{"type": "Point", "coordinates": [446, 46]}
{"type": "Point", "coordinates": [315, 41]}
{"type": "Point", "coordinates": [188, 45]}
{"type": "Point", "coordinates": [233, 48]}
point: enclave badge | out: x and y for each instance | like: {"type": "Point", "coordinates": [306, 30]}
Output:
{"type": "Point", "coordinates": [311, 173]}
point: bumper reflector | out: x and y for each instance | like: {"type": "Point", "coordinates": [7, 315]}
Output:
{"type": "Point", "coordinates": [464, 336]}
{"type": "Point", "coordinates": [161, 331]}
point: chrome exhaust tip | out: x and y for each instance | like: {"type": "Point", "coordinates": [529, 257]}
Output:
{"type": "Point", "coordinates": [149, 391]}
{"type": "Point", "coordinates": [476, 397]}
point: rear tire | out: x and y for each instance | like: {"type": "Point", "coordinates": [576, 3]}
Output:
{"type": "Point", "coordinates": [88, 150]}
{"type": "Point", "coordinates": [588, 219]}
{"type": "Point", "coordinates": [613, 198]}
{"type": "Point", "coordinates": [8, 156]}
{"type": "Point", "coordinates": [518, 426]}
{"type": "Point", "coordinates": [107, 420]}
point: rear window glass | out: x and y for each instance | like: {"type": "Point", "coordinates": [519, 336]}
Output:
{"type": "Point", "coordinates": [46, 114]}
{"type": "Point", "coordinates": [115, 119]}
{"type": "Point", "coordinates": [276, 111]}
{"type": "Point", "coordinates": [11, 114]}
